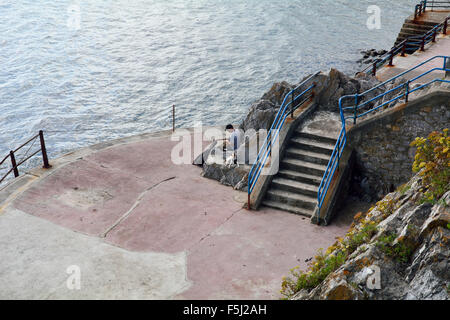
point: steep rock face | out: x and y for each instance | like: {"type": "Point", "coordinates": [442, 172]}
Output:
{"type": "Point", "coordinates": [411, 248]}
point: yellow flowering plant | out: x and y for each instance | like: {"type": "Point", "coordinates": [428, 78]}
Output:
{"type": "Point", "coordinates": [432, 161]}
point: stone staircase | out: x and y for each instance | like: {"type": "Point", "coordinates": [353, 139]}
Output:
{"type": "Point", "coordinates": [414, 28]}
{"type": "Point", "coordinates": [294, 188]}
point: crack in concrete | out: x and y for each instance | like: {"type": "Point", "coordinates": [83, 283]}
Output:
{"type": "Point", "coordinates": [226, 220]}
{"type": "Point", "coordinates": [136, 204]}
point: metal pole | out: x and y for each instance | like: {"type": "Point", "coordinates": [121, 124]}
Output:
{"type": "Point", "coordinates": [292, 104]}
{"type": "Point", "coordinates": [13, 163]}
{"type": "Point", "coordinates": [404, 49]}
{"type": "Point", "coordinates": [247, 150]}
{"type": "Point", "coordinates": [444, 30]}
{"type": "Point", "coordinates": [407, 91]}
{"type": "Point", "coordinates": [391, 58]}
{"type": "Point", "coordinates": [173, 118]}
{"type": "Point", "coordinates": [434, 35]}
{"type": "Point", "coordinates": [447, 67]}
{"type": "Point", "coordinates": [44, 150]}
{"type": "Point", "coordinates": [374, 69]}
{"type": "Point", "coordinates": [355, 109]}
{"type": "Point", "coordinates": [338, 151]}
{"type": "Point", "coordinates": [422, 47]}
{"type": "Point", "coordinates": [248, 201]}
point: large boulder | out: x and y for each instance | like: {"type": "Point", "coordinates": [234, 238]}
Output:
{"type": "Point", "coordinates": [234, 176]}
{"type": "Point", "coordinates": [260, 116]}
{"type": "Point", "coordinates": [331, 87]}
{"type": "Point", "coordinates": [262, 113]}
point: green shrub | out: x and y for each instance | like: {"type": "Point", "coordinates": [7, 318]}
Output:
{"type": "Point", "coordinates": [325, 263]}
{"type": "Point", "coordinates": [432, 161]}
{"type": "Point", "coordinates": [400, 251]}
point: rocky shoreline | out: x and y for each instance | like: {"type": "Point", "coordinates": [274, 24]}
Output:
{"type": "Point", "coordinates": [370, 56]}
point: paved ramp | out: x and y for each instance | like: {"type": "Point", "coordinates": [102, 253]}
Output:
{"type": "Point", "coordinates": [139, 226]}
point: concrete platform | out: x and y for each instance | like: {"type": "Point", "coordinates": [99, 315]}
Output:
{"type": "Point", "coordinates": [440, 48]}
{"type": "Point", "coordinates": [140, 227]}
{"type": "Point", "coordinates": [432, 16]}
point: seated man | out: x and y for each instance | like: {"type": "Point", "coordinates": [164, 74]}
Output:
{"type": "Point", "coordinates": [234, 140]}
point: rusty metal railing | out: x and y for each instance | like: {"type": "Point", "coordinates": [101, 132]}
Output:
{"type": "Point", "coordinates": [12, 155]}
{"type": "Point", "coordinates": [421, 8]}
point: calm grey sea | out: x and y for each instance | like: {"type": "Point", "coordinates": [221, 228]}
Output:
{"type": "Point", "coordinates": [119, 73]}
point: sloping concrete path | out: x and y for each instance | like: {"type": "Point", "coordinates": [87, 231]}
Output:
{"type": "Point", "coordinates": [138, 226]}
{"type": "Point", "coordinates": [400, 64]}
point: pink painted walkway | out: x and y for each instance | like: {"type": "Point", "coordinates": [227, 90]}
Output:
{"type": "Point", "coordinates": [401, 64]}
{"type": "Point", "coordinates": [135, 197]}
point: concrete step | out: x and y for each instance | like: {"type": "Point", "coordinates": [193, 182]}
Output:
{"type": "Point", "coordinates": [425, 28]}
{"type": "Point", "coordinates": [311, 145]}
{"type": "Point", "coordinates": [303, 166]}
{"type": "Point", "coordinates": [420, 23]}
{"type": "Point", "coordinates": [307, 155]}
{"type": "Point", "coordinates": [300, 177]}
{"type": "Point", "coordinates": [285, 207]}
{"type": "Point", "coordinates": [414, 31]}
{"type": "Point", "coordinates": [295, 186]}
{"type": "Point", "coordinates": [313, 137]}
{"type": "Point", "coordinates": [410, 33]}
{"type": "Point", "coordinates": [292, 199]}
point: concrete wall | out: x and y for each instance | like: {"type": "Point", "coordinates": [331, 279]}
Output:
{"type": "Point", "coordinates": [382, 143]}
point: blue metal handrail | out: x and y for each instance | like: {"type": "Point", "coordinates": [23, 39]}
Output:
{"type": "Point", "coordinates": [342, 139]}
{"type": "Point", "coordinates": [290, 103]}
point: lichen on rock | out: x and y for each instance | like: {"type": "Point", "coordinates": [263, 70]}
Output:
{"type": "Point", "coordinates": [410, 248]}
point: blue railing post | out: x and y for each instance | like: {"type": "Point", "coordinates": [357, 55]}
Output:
{"type": "Point", "coordinates": [338, 151]}
{"type": "Point", "coordinates": [406, 91]}
{"type": "Point", "coordinates": [355, 109]}
{"type": "Point", "coordinates": [292, 104]}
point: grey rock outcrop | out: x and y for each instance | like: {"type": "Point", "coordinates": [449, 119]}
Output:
{"type": "Point", "coordinates": [262, 113]}
{"type": "Point", "coordinates": [413, 264]}
{"type": "Point", "coordinates": [233, 176]}
{"type": "Point", "coordinates": [331, 87]}
{"type": "Point", "coordinates": [370, 56]}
